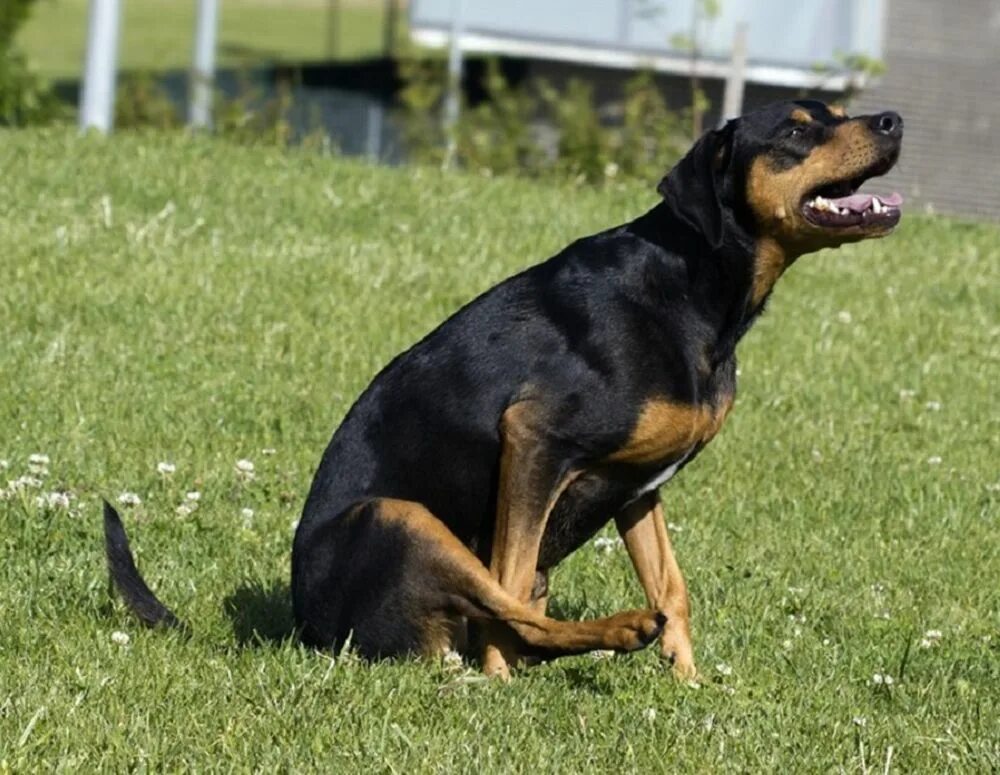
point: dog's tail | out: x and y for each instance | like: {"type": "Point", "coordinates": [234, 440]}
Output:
{"type": "Point", "coordinates": [126, 579]}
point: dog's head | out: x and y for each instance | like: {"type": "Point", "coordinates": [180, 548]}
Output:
{"type": "Point", "coordinates": [787, 176]}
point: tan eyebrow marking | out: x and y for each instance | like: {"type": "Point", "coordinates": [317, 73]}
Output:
{"type": "Point", "coordinates": [838, 111]}
{"type": "Point", "coordinates": [802, 116]}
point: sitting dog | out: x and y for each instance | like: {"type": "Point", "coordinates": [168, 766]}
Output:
{"type": "Point", "coordinates": [563, 398]}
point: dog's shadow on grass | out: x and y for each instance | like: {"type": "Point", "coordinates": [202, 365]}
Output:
{"type": "Point", "coordinates": [261, 613]}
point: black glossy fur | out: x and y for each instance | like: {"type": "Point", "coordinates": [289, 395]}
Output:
{"type": "Point", "coordinates": [652, 309]}
{"type": "Point", "coordinates": [592, 333]}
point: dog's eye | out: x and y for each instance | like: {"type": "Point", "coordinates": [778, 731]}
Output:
{"type": "Point", "coordinates": [797, 131]}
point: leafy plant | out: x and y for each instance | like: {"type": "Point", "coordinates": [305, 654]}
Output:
{"type": "Point", "coordinates": [536, 129]}
{"type": "Point", "coordinates": [25, 98]}
{"type": "Point", "coordinates": [142, 101]}
{"type": "Point", "coordinates": [421, 97]}
{"type": "Point", "coordinates": [584, 147]}
{"type": "Point", "coordinates": [652, 136]}
{"type": "Point", "coordinates": [498, 135]}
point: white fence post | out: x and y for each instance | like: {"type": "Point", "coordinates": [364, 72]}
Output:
{"type": "Point", "coordinates": [97, 99]}
{"type": "Point", "coordinates": [452, 100]}
{"type": "Point", "coordinates": [732, 97]}
{"type": "Point", "coordinates": [203, 71]}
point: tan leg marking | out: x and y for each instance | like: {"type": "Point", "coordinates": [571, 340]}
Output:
{"type": "Point", "coordinates": [530, 485]}
{"type": "Point", "coordinates": [642, 527]}
{"type": "Point", "coordinates": [461, 586]}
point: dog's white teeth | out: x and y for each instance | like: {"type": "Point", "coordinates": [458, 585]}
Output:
{"type": "Point", "coordinates": [819, 203]}
{"type": "Point", "coordinates": [876, 206]}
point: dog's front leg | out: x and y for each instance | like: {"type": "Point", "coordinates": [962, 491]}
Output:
{"type": "Point", "coordinates": [644, 531]}
{"type": "Point", "coordinates": [531, 479]}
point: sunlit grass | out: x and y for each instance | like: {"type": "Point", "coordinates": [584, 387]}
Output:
{"type": "Point", "coordinates": [158, 34]}
{"type": "Point", "coordinates": [182, 301]}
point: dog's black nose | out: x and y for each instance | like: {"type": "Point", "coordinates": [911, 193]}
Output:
{"type": "Point", "coordinates": [889, 123]}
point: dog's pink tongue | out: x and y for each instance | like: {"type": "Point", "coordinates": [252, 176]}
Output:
{"type": "Point", "coordinates": [858, 203]}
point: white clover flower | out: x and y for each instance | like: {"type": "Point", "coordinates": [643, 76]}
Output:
{"type": "Point", "coordinates": [129, 499]}
{"type": "Point", "coordinates": [610, 169]}
{"type": "Point", "coordinates": [859, 721]}
{"type": "Point", "coordinates": [451, 658]}
{"type": "Point", "coordinates": [724, 669]}
{"type": "Point", "coordinates": [185, 510]}
{"type": "Point", "coordinates": [905, 394]}
{"type": "Point", "coordinates": [53, 500]}
{"type": "Point", "coordinates": [844, 317]}
{"type": "Point", "coordinates": [602, 654]}
{"type": "Point", "coordinates": [165, 468]}
{"type": "Point", "coordinates": [934, 460]}
{"type": "Point", "coordinates": [817, 456]}
{"type": "Point", "coordinates": [787, 644]}
{"type": "Point", "coordinates": [247, 513]}
{"type": "Point", "coordinates": [194, 496]}
{"type": "Point", "coordinates": [121, 638]}
{"type": "Point", "coordinates": [606, 545]}
{"type": "Point", "coordinates": [930, 639]}
{"type": "Point", "coordinates": [649, 714]}
{"type": "Point", "coordinates": [38, 460]}
{"type": "Point", "coordinates": [4, 464]}
{"type": "Point", "coordinates": [933, 634]}
{"type": "Point", "coordinates": [882, 679]}
{"type": "Point", "coordinates": [673, 527]}
{"type": "Point", "coordinates": [14, 486]}
{"type": "Point", "coordinates": [245, 470]}
{"type": "Point", "coordinates": [933, 406]}
{"type": "Point", "coordinates": [268, 451]}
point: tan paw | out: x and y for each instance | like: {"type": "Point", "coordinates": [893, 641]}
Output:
{"type": "Point", "coordinates": [675, 648]}
{"type": "Point", "coordinates": [635, 630]}
{"type": "Point", "coordinates": [494, 664]}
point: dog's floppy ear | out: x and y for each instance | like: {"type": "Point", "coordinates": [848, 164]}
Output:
{"type": "Point", "coordinates": [693, 188]}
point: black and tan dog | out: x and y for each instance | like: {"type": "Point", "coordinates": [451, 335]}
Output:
{"type": "Point", "coordinates": [563, 398]}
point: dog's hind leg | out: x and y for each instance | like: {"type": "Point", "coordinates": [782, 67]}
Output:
{"type": "Point", "coordinates": [443, 579]}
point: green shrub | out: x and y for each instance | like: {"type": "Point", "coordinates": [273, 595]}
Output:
{"type": "Point", "coordinates": [142, 101]}
{"type": "Point", "coordinates": [24, 97]}
{"type": "Point", "coordinates": [420, 117]}
{"type": "Point", "coordinates": [506, 133]}
{"type": "Point", "coordinates": [497, 136]}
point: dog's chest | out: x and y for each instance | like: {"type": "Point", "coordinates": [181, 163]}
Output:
{"type": "Point", "coordinates": [663, 476]}
{"type": "Point", "coordinates": [665, 432]}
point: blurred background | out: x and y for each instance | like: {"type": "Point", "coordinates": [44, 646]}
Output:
{"type": "Point", "coordinates": [591, 89]}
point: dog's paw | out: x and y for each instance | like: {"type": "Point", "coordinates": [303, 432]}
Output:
{"type": "Point", "coordinates": [495, 664]}
{"type": "Point", "coordinates": [633, 630]}
{"type": "Point", "coordinates": [675, 648]}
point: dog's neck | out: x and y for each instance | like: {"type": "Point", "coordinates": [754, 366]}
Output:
{"type": "Point", "coordinates": [729, 284]}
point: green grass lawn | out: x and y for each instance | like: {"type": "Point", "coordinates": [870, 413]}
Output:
{"type": "Point", "coordinates": [167, 299]}
{"type": "Point", "coordinates": [157, 34]}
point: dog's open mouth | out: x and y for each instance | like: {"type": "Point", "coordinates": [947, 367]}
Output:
{"type": "Point", "coordinates": [839, 205]}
